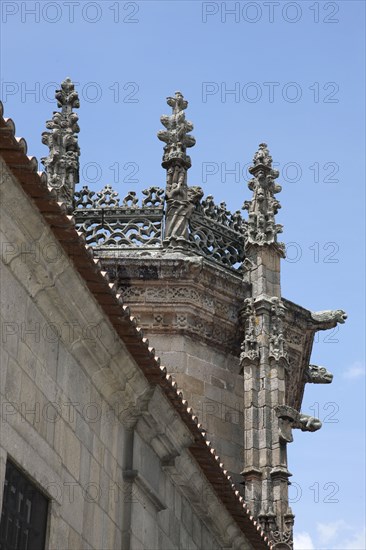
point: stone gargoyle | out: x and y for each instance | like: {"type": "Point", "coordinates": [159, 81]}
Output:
{"type": "Point", "coordinates": [327, 319]}
{"type": "Point", "coordinates": [289, 419]}
{"type": "Point", "coordinates": [318, 375]}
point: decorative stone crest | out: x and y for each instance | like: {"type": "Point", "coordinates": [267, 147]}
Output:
{"type": "Point", "coordinates": [262, 208]}
{"type": "Point", "coordinates": [62, 163]}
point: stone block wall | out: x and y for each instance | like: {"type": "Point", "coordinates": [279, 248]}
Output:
{"type": "Point", "coordinates": [212, 383]}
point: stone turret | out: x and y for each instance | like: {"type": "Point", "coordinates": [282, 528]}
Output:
{"type": "Point", "coordinates": [274, 360]}
{"type": "Point", "coordinates": [264, 357]}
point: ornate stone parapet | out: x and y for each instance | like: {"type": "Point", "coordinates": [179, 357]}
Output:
{"type": "Point", "coordinates": [114, 224]}
{"type": "Point", "coordinates": [126, 225]}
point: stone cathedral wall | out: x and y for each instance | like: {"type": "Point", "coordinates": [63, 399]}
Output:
{"type": "Point", "coordinates": [212, 383]}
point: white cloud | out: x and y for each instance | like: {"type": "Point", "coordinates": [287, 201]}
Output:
{"type": "Point", "coordinates": [329, 531]}
{"type": "Point", "coordinates": [302, 541]}
{"type": "Point", "coordinates": [334, 536]}
{"type": "Point", "coordinates": [358, 542]}
{"type": "Point", "coordinates": [337, 535]}
{"type": "Point", "coordinates": [356, 370]}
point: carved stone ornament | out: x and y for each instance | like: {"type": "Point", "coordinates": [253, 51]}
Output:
{"type": "Point", "coordinates": [280, 539]}
{"type": "Point", "coordinates": [176, 134]}
{"type": "Point", "coordinates": [181, 201]}
{"type": "Point", "coordinates": [262, 208]}
{"type": "Point", "coordinates": [307, 423]}
{"type": "Point", "coordinates": [318, 375]}
{"type": "Point", "coordinates": [277, 342]}
{"type": "Point", "coordinates": [249, 346]}
{"type": "Point", "coordinates": [62, 163]}
{"type": "Point", "coordinates": [109, 222]}
{"type": "Point", "coordinates": [286, 418]}
{"type": "Point", "coordinates": [216, 233]}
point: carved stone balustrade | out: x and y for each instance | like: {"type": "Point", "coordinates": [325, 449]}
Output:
{"type": "Point", "coordinates": [108, 222]}
{"type": "Point", "coordinates": [116, 225]}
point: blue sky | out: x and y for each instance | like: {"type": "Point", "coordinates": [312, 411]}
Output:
{"type": "Point", "coordinates": [296, 72]}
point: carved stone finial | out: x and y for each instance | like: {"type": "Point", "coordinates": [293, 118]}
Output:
{"type": "Point", "coordinates": [262, 208]}
{"type": "Point", "coordinates": [62, 163]}
{"type": "Point", "coordinates": [176, 134]}
{"type": "Point", "coordinates": [181, 200]}
{"type": "Point", "coordinates": [262, 157]}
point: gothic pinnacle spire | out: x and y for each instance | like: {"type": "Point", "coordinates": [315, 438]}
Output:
{"type": "Point", "coordinates": [176, 134]}
{"type": "Point", "coordinates": [181, 200]}
{"type": "Point", "coordinates": [263, 206]}
{"type": "Point", "coordinates": [62, 163]}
